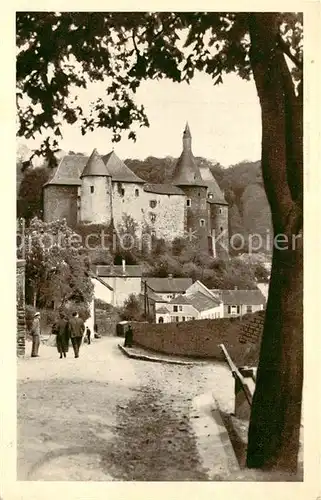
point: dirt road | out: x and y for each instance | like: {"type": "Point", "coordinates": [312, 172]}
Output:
{"type": "Point", "coordinates": [108, 417]}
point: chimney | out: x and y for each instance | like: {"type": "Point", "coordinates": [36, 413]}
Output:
{"type": "Point", "coordinates": [124, 266]}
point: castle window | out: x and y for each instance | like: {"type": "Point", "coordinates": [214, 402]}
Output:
{"type": "Point", "coordinates": [152, 203]}
{"type": "Point", "coordinates": [221, 229]}
{"type": "Point", "coordinates": [210, 195]}
{"type": "Point", "coordinates": [202, 222]}
{"type": "Point", "coordinates": [122, 191]}
{"type": "Point", "coordinates": [153, 217]}
{"type": "Point", "coordinates": [136, 192]}
{"type": "Point", "coordinates": [92, 189]}
{"type": "Point", "coordinates": [188, 202]}
{"type": "Point", "coordinates": [220, 210]}
{"type": "Point", "coordinates": [199, 194]}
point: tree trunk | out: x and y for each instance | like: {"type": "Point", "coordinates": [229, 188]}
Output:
{"type": "Point", "coordinates": [273, 439]}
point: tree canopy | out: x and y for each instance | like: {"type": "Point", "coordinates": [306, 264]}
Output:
{"type": "Point", "coordinates": [60, 52]}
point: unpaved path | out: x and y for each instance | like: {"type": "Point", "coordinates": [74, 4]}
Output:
{"type": "Point", "coordinates": [108, 417]}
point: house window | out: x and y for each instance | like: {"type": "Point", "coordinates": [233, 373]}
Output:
{"type": "Point", "coordinates": [238, 309]}
{"type": "Point", "coordinates": [175, 309]}
{"type": "Point", "coordinates": [248, 309]}
{"type": "Point", "coordinates": [152, 203]}
{"type": "Point", "coordinates": [161, 319]}
{"type": "Point", "coordinates": [136, 192]}
{"type": "Point", "coordinates": [183, 318]}
{"type": "Point", "coordinates": [180, 308]}
{"type": "Point", "coordinates": [188, 202]}
{"type": "Point", "coordinates": [202, 222]}
{"type": "Point", "coordinates": [172, 319]}
{"type": "Point", "coordinates": [152, 217]}
{"type": "Point", "coordinates": [92, 189]}
{"type": "Point", "coordinates": [228, 309]}
{"type": "Point", "coordinates": [177, 319]}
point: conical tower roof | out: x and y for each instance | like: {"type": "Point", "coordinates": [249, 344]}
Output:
{"type": "Point", "coordinates": [95, 166]}
{"type": "Point", "coordinates": [186, 172]}
{"type": "Point", "coordinates": [212, 185]}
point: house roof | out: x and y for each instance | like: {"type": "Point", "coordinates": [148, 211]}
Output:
{"type": "Point", "coordinates": [162, 189]}
{"type": "Point", "coordinates": [117, 271]}
{"type": "Point", "coordinates": [170, 285]}
{"type": "Point", "coordinates": [198, 300]}
{"type": "Point", "coordinates": [241, 297]}
{"type": "Point", "coordinates": [186, 172]}
{"type": "Point", "coordinates": [119, 171]}
{"type": "Point", "coordinates": [93, 276]}
{"type": "Point", "coordinates": [69, 171]}
{"type": "Point", "coordinates": [162, 310]}
{"type": "Point", "coordinates": [95, 166]}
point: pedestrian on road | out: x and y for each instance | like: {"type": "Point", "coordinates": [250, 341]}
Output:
{"type": "Point", "coordinates": [61, 329]}
{"type": "Point", "coordinates": [35, 332]}
{"type": "Point", "coordinates": [88, 333]}
{"type": "Point", "coordinates": [128, 337]}
{"type": "Point", "coordinates": [76, 331]}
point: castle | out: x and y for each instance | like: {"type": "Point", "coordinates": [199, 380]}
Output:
{"type": "Point", "coordinates": [103, 190]}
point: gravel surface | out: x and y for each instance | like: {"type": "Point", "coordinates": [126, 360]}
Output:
{"type": "Point", "coordinates": [105, 416]}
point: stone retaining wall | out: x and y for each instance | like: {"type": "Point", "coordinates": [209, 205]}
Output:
{"type": "Point", "coordinates": [200, 338]}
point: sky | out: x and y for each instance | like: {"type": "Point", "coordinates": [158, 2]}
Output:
{"type": "Point", "coordinates": [224, 121]}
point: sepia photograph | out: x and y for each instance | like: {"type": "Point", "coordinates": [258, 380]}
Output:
{"type": "Point", "coordinates": [159, 246]}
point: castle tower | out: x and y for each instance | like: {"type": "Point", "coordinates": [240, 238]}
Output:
{"type": "Point", "coordinates": [187, 176]}
{"type": "Point", "coordinates": [95, 192]}
{"type": "Point", "coordinates": [217, 213]}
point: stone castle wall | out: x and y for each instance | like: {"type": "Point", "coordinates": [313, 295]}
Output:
{"type": "Point", "coordinates": [61, 202]}
{"type": "Point", "coordinates": [96, 200]}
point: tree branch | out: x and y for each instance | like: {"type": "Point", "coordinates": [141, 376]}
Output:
{"type": "Point", "coordinates": [286, 49]}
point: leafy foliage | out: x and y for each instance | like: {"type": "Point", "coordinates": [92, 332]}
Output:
{"type": "Point", "coordinates": [30, 200]}
{"type": "Point", "coordinates": [60, 52]}
{"type": "Point", "coordinates": [57, 265]}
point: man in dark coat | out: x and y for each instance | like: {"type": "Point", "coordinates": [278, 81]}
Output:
{"type": "Point", "coordinates": [76, 331]}
{"type": "Point", "coordinates": [35, 332]}
{"type": "Point", "coordinates": [88, 334]}
{"type": "Point", "coordinates": [61, 329]}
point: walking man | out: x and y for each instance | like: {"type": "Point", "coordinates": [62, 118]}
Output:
{"type": "Point", "coordinates": [62, 331]}
{"type": "Point", "coordinates": [88, 333]}
{"type": "Point", "coordinates": [35, 332]}
{"type": "Point", "coordinates": [76, 331]}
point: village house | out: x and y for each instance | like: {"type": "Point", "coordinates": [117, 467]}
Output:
{"type": "Point", "coordinates": [198, 302]}
{"type": "Point", "coordinates": [240, 302]}
{"type": "Point", "coordinates": [114, 284]}
{"type": "Point", "coordinates": [165, 288]}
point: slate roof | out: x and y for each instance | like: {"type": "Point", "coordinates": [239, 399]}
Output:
{"type": "Point", "coordinates": [71, 167]}
{"type": "Point", "coordinates": [119, 171]}
{"type": "Point", "coordinates": [170, 285]}
{"type": "Point", "coordinates": [162, 310]}
{"type": "Point", "coordinates": [162, 189]}
{"type": "Point", "coordinates": [198, 300]}
{"type": "Point", "coordinates": [186, 172]}
{"type": "Point", "coordinates": [212, 185]}
{"type": "Point", "coordinates": [117, 271]}
{"type": "Point", "coordinates": [69, 171]}
{"type": "Point", "coordinates": [241, 297]}
{"type": "Point", "coordinates": [95, 166]}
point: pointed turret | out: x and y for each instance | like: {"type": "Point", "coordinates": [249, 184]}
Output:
{"type": "Point", "coordinates": [95, 166]}
{"type": "Point", "coordinates": [186, 172]}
